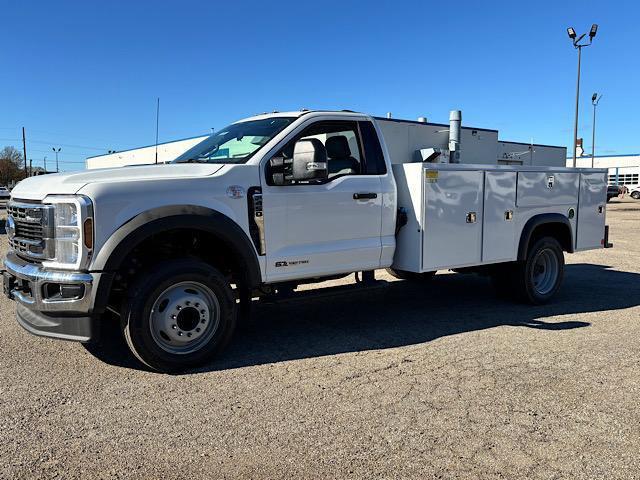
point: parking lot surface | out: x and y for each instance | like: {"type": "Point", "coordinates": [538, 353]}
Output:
{"type": "Point", "coordinates": [395, 381]}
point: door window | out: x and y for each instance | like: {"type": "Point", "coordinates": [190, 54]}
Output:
{"type": "Point", "coordinates": [342, 143]}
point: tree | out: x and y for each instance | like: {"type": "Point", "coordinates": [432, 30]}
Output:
{"type": "Point", "coordinates": [11, 166]}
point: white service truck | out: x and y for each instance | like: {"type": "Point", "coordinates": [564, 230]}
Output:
{"type": "Point", "coordinates": [178, 251]}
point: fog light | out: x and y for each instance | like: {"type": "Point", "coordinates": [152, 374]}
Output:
{"type": "Point", "coordinates": [71, 291]}
{"type": "Point", "coordinates": [60, 291]}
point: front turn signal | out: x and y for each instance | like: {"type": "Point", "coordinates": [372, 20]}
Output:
{"type": "Point", "coordinates": [88, 233]}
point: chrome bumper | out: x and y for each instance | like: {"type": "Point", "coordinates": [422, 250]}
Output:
{"type": "Point", "coordinates": [53, 316]}
{"type": "Point", "coordinates": [32, 278]}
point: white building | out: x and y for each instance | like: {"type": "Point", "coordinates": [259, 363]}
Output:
{"type": "Point", "coordinates": [167, 151]}
{"type": "Point", "coordinates": [623, 169]}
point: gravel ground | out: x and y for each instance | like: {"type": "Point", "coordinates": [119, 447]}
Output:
{"type": "Point", "coordinates": [396, 381]}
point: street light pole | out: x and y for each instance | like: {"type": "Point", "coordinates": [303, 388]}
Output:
{"type": "Point", "coordinates": [575, 123]}
{"type": "Point", "coordinates": [594, 101]}
{"type": "Point", "coordinates": [57, 152]}
{"type": "Point", "coordinates": [578, 46]}
{"type": "Point", "coordinates": [45, 163]}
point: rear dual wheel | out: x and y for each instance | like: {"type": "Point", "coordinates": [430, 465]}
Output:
{"type": "Point", "coordinates": [179, 315]}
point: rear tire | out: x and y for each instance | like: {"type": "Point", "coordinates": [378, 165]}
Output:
{"type": "Point", "coordinates": [411, 276]}
{"type": "Point", "coordinates": [179, 315]}
{"type": "Point", "coordinates": [537, 279]}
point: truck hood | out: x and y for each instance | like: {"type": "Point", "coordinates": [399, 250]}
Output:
{"type": "Point", "coordinates": [36, 188]}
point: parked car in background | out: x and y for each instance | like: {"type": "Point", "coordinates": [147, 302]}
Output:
{"type": "Point", "coordinates": [613, 191]}
{"type": "Point", "coordinates": [4, 194]}
{"type": "Point", "coordinates": [635, 192]}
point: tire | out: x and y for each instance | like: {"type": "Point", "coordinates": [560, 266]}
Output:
{"type": "Point", "coordinates": [635, 195]}
{"type": "Point", "coordinates": [411, 276]}
{"type": "Point", "coordinates": [538, 278]}
{"type": "Point", "coordinates": [179, 315]}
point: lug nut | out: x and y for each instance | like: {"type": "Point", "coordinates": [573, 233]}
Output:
{"type": "Point", "coordinates": [189, 334]}
{"type": "Point", "coordinates": [174, 326]}
{"type": "Point", "coordinates": [187, 302]}
{"type": "Point", "coordinates": [179, 334]}
{"type": "Point", "coordinates": [198, 330]}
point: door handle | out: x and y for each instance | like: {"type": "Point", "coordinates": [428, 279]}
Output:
{"type": "Point", "coordinates": [364, 196]}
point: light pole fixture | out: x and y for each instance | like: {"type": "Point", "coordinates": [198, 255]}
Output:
{"type": "Point", "coordinates": [595, 98]}
{"type": "Point", "coordinates": [57, 151]}
{"type": "Point", "coordinates": [576, 39]}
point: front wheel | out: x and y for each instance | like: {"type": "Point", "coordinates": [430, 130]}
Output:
{"type": "Point", "coordinates": [635, 195]}
{"type": "Point", "coordinates": [179, 315]}
{"type": "Point", "coordinates": [539, 277]}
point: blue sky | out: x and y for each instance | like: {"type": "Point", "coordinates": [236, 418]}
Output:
{"type": "Point", "coordinates": [85, 75]}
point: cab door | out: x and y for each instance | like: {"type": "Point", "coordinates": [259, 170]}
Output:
{"type": "Point", "coordinates": [333, 227]}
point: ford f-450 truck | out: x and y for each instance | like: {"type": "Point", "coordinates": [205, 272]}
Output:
{"type": "Point", "coordinates": [178, 250]}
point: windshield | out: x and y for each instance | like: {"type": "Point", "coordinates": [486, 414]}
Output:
{"type": "Point", "coordinates": [235, 143]}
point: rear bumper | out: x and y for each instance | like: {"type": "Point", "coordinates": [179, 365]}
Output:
{"type": "Point", "coordinates": [41, 311]}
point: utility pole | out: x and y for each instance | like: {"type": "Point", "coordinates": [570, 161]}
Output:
{"type": "Point", "coordinates": [57, 152]}
{"type": "Point", "coordinates": [594, 101]}
{"type": "Point", "coordinates": [578, 46]}
{"type": "Point", "coordinates": [30, 167]}
{"type": "Point", "coordinates": [157, 123]}
{"type": "Point", "coordinates": [24, 150]}
{"type": "Point", "coordinates": [45, 164]}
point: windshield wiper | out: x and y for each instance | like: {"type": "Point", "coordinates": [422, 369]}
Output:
{"type": "Point", "coordinates": [194, 160]}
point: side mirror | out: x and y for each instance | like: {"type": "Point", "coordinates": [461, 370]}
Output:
{"type": "Point", "coordinates": [309, 161]}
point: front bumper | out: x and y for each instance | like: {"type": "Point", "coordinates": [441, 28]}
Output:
{"type": "Point", "coordinates": [41, 309]}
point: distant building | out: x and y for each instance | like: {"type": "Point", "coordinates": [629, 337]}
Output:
{"type": "Point", "coordinates": [623, 169]}
{"type": "Point", "coordinates": [167, 151]}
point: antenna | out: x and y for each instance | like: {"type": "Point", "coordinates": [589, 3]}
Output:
{"type": "Point", "coordinates": [157, 123]}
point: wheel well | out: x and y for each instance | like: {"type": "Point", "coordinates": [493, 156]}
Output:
{"type": "Point", "coordinates": [173, 244]}
{"type": "Point", "coordinates": [559, 231]}
{"type": "Point", "coordinates": [538, 228]}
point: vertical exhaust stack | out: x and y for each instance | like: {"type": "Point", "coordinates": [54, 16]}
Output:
{"type": "Point", "coordinates": [455, 125]}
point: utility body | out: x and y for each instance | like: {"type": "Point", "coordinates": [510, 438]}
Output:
{"type": "Point", "coordinates": [177, 251]}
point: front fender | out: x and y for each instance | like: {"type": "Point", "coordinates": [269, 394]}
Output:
{"type": "Point", "coordinates": [142, 226]}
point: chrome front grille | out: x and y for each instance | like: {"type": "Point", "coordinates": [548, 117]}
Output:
{"type": "Point", "coordinates": [31, 231]}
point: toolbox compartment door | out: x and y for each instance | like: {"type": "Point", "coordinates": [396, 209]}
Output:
{"type": "Point", "coordinates": [543, 189]}
{"type": "Point", "coordinates": [452, 234]}
{"type": "Point", "coordinates": [591, 210]}
{"type": "Point", "coordinates": [498, 242]}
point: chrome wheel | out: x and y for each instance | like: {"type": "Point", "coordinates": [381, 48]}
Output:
{"type": "Point", "coordinates": [545, 272]}
{"type": "Point", "coordinates": [184, 317]}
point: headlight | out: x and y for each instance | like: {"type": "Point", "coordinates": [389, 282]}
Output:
{"type": "Point", "coordinates": [73, 227]}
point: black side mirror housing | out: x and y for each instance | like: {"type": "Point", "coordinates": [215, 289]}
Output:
{"type": "Point", "coordinates": [309, 160]}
